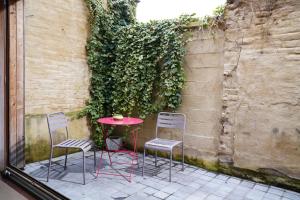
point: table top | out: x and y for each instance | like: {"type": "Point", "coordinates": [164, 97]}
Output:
{"type": "Point", "coordinates": [125, 122]}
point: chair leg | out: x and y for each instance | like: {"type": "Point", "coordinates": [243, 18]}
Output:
{"type": "Point", "coordinates": [49, 166]}
{"type": "Point", "coordinates": [182, 151]}
{"type": "Point", "coordinates": [170, 165]}
{"type": "Point", "coordinates": [109, 158]}
{"type": "Point", "coordinates": [83, 168]}
{"type": "Point", "coordinates": [137, 160]}
{"type": "Point", "coordinates": [143, 161]}
{"type": "Point", "coordinates": [155, 158]}
{"type": "Point", "coordinates": [66, 158]}
{"type": "Point", "coordinates": [94, 159]}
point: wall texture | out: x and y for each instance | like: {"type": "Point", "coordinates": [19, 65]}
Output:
{"type": "Point", "coordinates": [56, 72]}
{"type": "Point", "coordinates": [57, 75]}
{"type": "Point", "coordinates": [241, 98]}
{"type": "Point", "coordinates": [262, 87]}
{"type": "Point", "coordinates": [202, 94]}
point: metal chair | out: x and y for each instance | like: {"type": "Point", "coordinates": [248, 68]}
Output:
{"type": "Point", "coordinates": [59, 121]}
{"type": "Point", "coordinates": [172, 121]}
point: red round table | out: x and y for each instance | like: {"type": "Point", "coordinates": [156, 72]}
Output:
{"type": "Point", "coordinates": [126, 121]}
{"type": "Point", "coordinates": [135, 129]}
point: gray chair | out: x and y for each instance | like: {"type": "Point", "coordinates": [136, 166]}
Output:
{"type": "Point", "coordinates": [59, 121]}
{"type": "Point", "coordinates": [172, 121]}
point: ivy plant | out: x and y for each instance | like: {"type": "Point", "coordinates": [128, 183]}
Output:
{"type": "Point", "coordinates": [136, 68]}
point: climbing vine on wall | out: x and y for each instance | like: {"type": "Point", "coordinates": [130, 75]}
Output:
{"type": "Point", "coordinates": [136, 67]}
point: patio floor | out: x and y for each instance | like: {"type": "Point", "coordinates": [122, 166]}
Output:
{"type": "Point", "coordinates": [191, 184]}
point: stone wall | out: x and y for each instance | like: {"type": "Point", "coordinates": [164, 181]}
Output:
{"type": "Point", "coordinates": [37, 139]}
{"type": "Point", "coordinates": [202, 94]}
{"type": "Point", "coordinates": [56, 72]}
{"type": "Point", "coordinates": [261, 90]}
{"type": "Point", "coordinates": [260, 59]}
{"type": "Point", "coordinates": [57, 79]}
{"type": "Point", "coordinates": [241, 97]}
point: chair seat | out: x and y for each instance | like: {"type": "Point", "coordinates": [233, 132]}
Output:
{"type": "Point", "coordinates": [162, 144]}
{"type": "Point", "coordinates": [84, 145]}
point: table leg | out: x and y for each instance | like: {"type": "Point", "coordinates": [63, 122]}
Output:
{"type": "Point", "coordinates": [134, 155]}
{"type": "Point", "coordinates": [100, 163]}
{"type": "Point", "coordinates": [105, 136]}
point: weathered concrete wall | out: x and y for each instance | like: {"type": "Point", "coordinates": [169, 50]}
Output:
{"type": "Point", "coordinates": [241, 98]}
{"type": "Point", "coordinates": [37, 136]}
{"type": "Point", "coordinates": [202, 94]}
{"type": "Point", "coordinates": [259, 57]}
{"type": "Point", "coordinates": [56, 72]}
{"type": "Point", "coordinates": [262, 87]}
{"type": "Point", "coordinates": [57, 75]}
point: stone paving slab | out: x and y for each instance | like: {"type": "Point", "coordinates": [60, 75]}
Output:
{"type": "Point", "coordinates": [191, 184]}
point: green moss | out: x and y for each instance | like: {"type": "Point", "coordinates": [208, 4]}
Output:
{"type": "Point", "coordinates": [72, 115]}
{"type": "Point", "coordinates": [282, 181]}
{"type": "Point", "coordinates": [212, 166]}
{"type": "Point", "coordinates": [261, 177]}
{"type": "Point", "coordinates": [41, 151]}
{"type": "Point", "coordinates": [38, 149]}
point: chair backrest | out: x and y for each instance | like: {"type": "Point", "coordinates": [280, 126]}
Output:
{"type": "Point", "coordinates": [171, 120]}
{"type": "Point", "coordinates": [56, 121]}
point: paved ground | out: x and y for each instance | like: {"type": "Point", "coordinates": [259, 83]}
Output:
{"type": "Point", "coordinates": [191, 184]}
